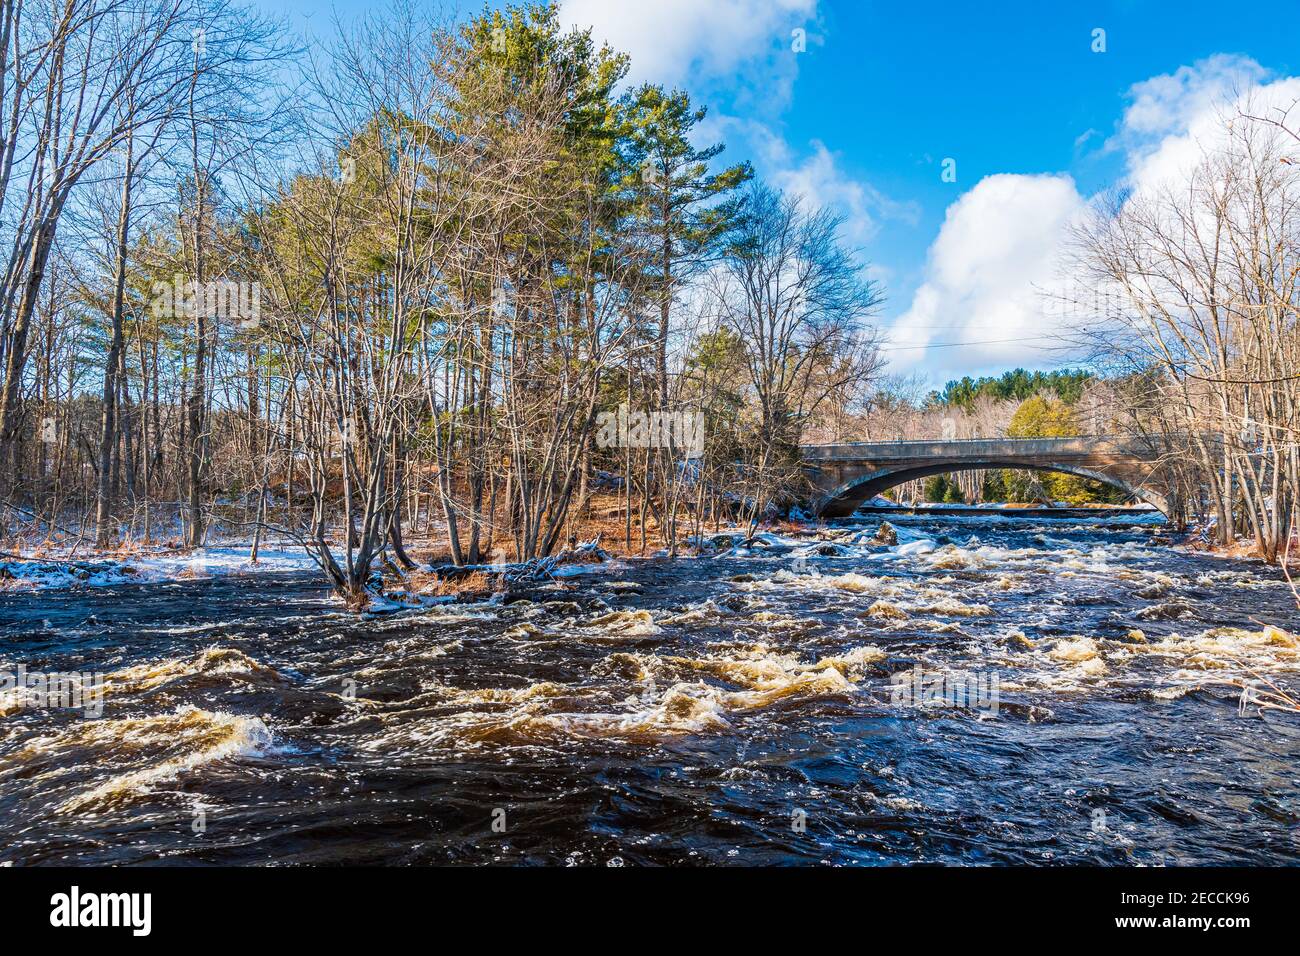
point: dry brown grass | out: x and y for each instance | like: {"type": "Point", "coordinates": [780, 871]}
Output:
{"type": "Point", "coordinates": [795, 528]}
{"type": "Point", "coordinates": [1237, 551]}
{"type": "Point", "coordinates": [436, 585]}
{"type": "Point", "coordinates": [605, 518]}
{"type": "Point", "coordinates": [45, 549]}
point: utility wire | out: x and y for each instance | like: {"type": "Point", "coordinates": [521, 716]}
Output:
{"type": "Point", "coordinates": [955, 345]}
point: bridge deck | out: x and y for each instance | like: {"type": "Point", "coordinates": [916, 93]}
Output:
{"type": "Point", "coordinates": [970, 448]}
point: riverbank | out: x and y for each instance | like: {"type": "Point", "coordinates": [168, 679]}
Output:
{"type": "Point", "coordinates": [51, 566]}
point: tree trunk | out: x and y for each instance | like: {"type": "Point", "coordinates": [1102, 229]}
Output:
{"type": "Point", "coordinates": [108, 432]}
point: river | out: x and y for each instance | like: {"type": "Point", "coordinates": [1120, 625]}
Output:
{"type": "Point", "coordinates": [761, 707]}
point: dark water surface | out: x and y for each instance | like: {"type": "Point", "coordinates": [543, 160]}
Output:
{"type": "Point", "coordinates": [724, 710]}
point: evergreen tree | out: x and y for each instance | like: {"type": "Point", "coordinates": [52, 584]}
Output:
{"type": "Point", "coordinates": [683, 208]}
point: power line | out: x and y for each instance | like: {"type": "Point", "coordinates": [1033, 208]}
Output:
{"type": "Point", "coordinates": [955, 345]}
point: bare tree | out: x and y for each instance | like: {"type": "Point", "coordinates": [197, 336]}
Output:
{"type": "Point", "coordinates": [1207, 274]}
{"type": "Point", "coordinates": [798, 300]}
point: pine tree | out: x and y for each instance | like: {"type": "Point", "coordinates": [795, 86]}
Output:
{"type": "Point", "coordinates": [685, 210]}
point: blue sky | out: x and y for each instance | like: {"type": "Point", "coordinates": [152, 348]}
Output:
{"type": "Point", "coordinates": [1013, 93]}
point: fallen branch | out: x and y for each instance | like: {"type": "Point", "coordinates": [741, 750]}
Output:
{"type": "Point", "coordinates": [1263, 699]}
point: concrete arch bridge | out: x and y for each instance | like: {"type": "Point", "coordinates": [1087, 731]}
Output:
{"type": "Point", "coordinates": [846, 475]}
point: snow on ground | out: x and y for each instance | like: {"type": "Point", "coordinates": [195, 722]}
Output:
{"type": "Point", "coordinates": [61, 572]}
{"type": "Point", "coordinates": [99, 571]}
{"type": "Point", "coordinates": [575, 570]}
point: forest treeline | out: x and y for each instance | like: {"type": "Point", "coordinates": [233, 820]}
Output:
{"type": "Point", "coordinates": [1015, 385]}
{"type": "Point", "coordinates": [457, 279]}
{"type": "Point", "coordinates": [403, 291]}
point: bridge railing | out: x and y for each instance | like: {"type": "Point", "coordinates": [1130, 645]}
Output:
{"type": "Point", "coordinates": [969, 447]}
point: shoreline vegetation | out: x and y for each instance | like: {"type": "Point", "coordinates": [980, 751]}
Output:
{"type": "Point", "coordinates": [469, 283]}
{"type": "Point", "coordinates": [58, 561]}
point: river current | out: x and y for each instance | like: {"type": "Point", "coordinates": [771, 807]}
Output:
{"type": "Point", "coordinates": [986, 691]}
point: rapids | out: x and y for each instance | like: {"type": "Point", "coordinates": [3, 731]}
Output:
{"type": "Point", "coordinates": [763, 705]}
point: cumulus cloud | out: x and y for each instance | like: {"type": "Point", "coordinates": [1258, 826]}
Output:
{"type": "Point", "coordinates": [671, 41]}
{"type": "Point", "coordinates": [1169, 104]}
{"type": "Point", "coordinates": [817, 174]}
{"type": "Point", "coordinates": [997, 256]}
{"type": "Point", "coordinates": [821, 180]}
{"type": "Point", "coordinates": [741, 48]}
{"type": "Point", "coordinates": [996, 272]}
{"type": "Point", "coordinates": [1174, 119]}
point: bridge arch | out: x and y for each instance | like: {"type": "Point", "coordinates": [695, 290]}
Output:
{"type": "Point", "coordinates": [842, 500]}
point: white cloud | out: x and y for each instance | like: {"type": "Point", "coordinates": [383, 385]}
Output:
{"type": "Point", "coordinates": [1169, 103]}
{"type": "Point", "coordinates": [818, 176]}
{"type": "Point", "coordinates": [672, 41]}
{"type": "Point", "coordinates": [995, 272]}
{"type": "Point", "coordinates": [742, 48]}
{"type": "Point", "coordinates": [997, 256]}
{"type": "Point", "coordinates": [1174, 119]}
{"type": "Point", "coordinates": [821, 181]}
